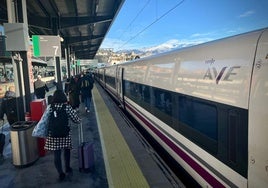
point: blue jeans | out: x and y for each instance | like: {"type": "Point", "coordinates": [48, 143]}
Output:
{"type": "Point", "coordinates": [87, 102]}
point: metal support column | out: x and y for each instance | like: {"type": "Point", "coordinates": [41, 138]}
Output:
{"type": "Point", "coordinates": [68, 61]}
{"type": "Point", "coordinates": [16, 61]}
{"type": "Point", "coordinates": [58, 69]}
{"type": "Point", "coordinates": [25, 65]}
{"type": "Point", "coordinates": [12, 7]}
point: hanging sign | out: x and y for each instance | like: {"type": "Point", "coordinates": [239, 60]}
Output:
{"type": "Point", "coordinates": [46, 46]}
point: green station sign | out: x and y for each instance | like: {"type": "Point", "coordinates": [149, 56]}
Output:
{"type": "Point", "coordinates": [46, 46]}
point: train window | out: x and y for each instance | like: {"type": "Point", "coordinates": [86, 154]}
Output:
{"type": "Point", "coordinates": [146, 94]}
{"type": "Point", "coordinates": [130, 90]}
{"type": "Point", "coordinates": [199, 116]}
{"type": "Point", "coordinates": [110, 80]}
{"type": "Point", "coordinates": [154, 100]}
{"type": "Point", "coordinates": [134, 91]}
{"type": "Point", "coordinates": [198, 121]}
{"type": "Point", "coordinates": [219, 129]}
{"type": "Point", "coordinates": [162, 100]}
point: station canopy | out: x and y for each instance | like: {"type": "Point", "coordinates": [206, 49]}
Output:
{"type": "Point", "coordinates": [82, 24]}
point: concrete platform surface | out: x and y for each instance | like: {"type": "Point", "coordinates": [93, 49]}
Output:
{"type": "Point", "coordinates": [43, 173]}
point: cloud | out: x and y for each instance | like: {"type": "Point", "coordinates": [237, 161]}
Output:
{"type": "Point", "coordinates": [247, 14]}
{"type": "Point", "coordinates": [198, 35]}
{"type": "Point", "coordinates": [186, 42]}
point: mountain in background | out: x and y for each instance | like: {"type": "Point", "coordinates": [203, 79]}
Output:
{"type": "Point", "coordinates": [165, 47]}
{"type": "Point", "coordinates": [108, 56]}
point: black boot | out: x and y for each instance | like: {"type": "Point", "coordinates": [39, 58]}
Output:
{"type": "Point", "coordinates": [69, 170]}
{"type": "Point", "coordinates": [61, 176]}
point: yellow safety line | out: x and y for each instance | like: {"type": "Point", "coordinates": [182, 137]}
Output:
{"type": "Point", "coordinates": [121, 167]}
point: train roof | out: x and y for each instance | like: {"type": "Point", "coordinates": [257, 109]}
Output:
{"type": "Point", "coordinates": [218, 70]}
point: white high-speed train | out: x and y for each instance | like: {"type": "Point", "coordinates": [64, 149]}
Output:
{"type": "Point", "coordinates": [207, 105]}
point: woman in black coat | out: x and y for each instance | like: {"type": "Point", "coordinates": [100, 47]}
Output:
{"type": "Point", "coordinates": [57, 143]}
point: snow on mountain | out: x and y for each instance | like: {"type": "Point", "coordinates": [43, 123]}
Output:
{"type": "Point", "coordinates": [167, 46]}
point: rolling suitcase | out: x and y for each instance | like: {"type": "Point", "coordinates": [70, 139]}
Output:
{"type": "Point", "coordinates": [85, 153]}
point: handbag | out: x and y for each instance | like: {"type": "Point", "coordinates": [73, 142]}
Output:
{"type": "Point", "coordinates": [41, 128]}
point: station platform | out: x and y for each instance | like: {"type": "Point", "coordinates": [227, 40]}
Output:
{"type": "Point", "coordinates": [122, 159]}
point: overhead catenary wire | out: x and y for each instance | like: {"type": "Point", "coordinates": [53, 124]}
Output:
{"type": "Point", "coordinates": [156, 20]}
{"type": "Point", "coordinates": [135, 17]}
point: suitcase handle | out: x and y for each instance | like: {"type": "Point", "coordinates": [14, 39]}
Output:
{"type": "Point", "coordinates": [80, 133]}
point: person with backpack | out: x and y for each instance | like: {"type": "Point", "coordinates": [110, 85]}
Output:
{"type": "Point", "coordinates": [59, 134]}
{"type": "Point", "coordinates": [86, 85]}
{"type": "Point", "coordinates": [9, 106]}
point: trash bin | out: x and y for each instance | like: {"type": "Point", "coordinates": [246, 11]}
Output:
{"type": "Point", "coordinates": [24, 145]}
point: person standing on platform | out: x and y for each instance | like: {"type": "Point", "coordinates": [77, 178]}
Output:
{"type": "Point", "coordinates": [66, 86]}
{"type": "Point", "coordinates": [40, 88]}
{"type": "Point", "coordinates": [86, 85]}
{"type": "Point", "coordinates": [9, 106]}
{"type": "Point", "coordinates": [74, 91]}
{"type": "Point", "coordinates": [59, 134]}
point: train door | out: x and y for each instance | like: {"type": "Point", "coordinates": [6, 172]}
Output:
{"type": "Point", "coordinates": [119, 85]}
{"type": "Point", "coordinates": [258, 117]}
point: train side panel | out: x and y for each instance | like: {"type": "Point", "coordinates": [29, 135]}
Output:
{"type": "Point", "coordinates": [217, 76]}
{"type": "Point", "coordinates": [258, 118]}
{"type": "Point", "coordinates": [194, 159]}
{"type": "Point", "coordinates": [217, 71]}
{"type": "Point", "coordinates": [200, 104]}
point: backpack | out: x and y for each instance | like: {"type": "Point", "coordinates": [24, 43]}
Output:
{"type": "Point", "coordinates": [58, 122]}
{"type": "Point", "coordinates": [87, 83]}
{"type": "Point", "coordinates": [11, 108]}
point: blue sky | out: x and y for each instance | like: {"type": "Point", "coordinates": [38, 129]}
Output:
{"type": "Point", "coordinates": [147, 23]}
